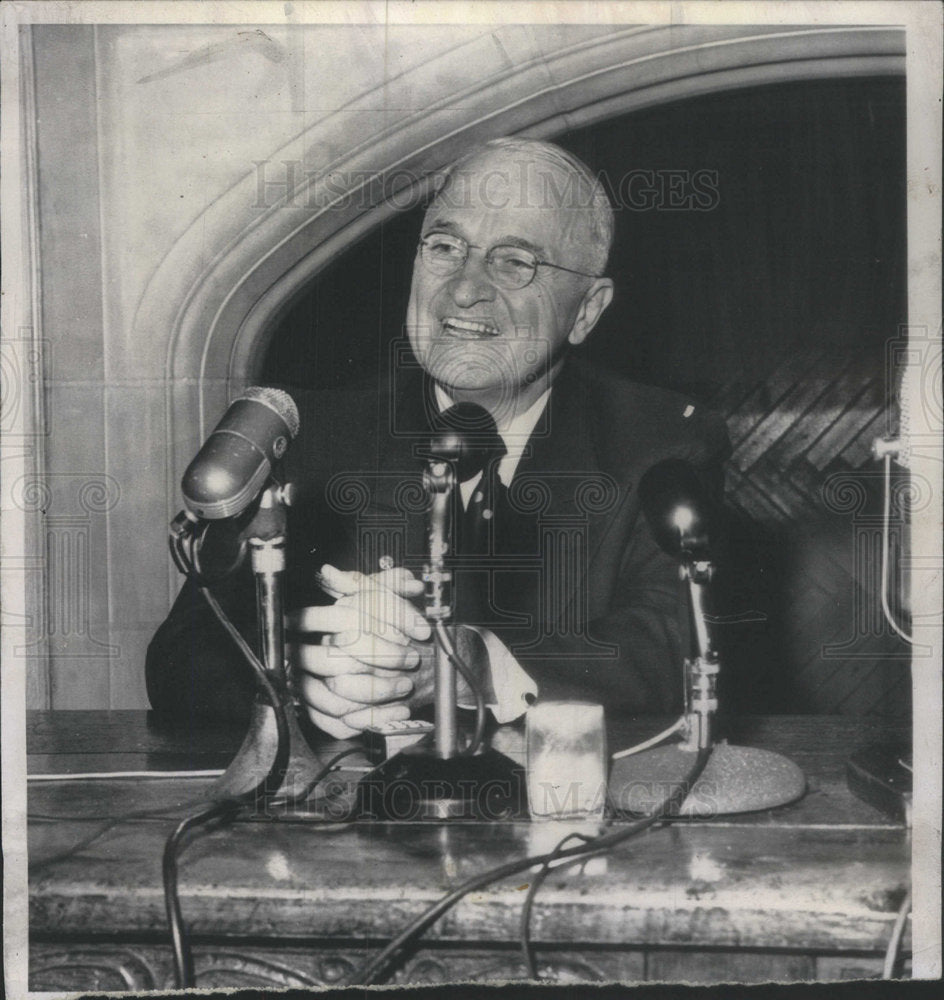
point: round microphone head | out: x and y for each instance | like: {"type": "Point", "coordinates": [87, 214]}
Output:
{"type": "Point", "coordinates": [235, 461]}
{"type": "Point", "coordinates": [677, 507]}
{"type": "Point", "coordinates": [466, 434]}
{"type": "Point", "coordinates": [279, 401]}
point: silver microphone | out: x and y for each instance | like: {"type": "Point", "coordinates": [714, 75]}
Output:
{"type": "Point", "coordinates": [235, 462]}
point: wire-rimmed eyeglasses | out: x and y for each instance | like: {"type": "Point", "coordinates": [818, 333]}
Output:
{"type": "Point", "coordinates": [508, 266]}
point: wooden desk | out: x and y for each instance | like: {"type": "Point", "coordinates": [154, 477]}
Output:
{"type": "Point", "coordinates": [809, 891]}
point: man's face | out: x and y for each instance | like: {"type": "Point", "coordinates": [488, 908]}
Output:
{"type": "Point", "coordinates": [482, 342]}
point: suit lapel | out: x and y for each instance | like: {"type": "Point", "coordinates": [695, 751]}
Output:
{"type": "Point", "coordinates": [582, 484]}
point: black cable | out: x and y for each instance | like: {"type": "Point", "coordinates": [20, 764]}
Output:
{"type": "Point", "coordinates": [597, 844]}
{"type": "Point", "coordinates": [158, 813]}
{"type": "Point", "coordinates": [301, 797]}
{"type": "Point", "coordinates": [183, 954]}
{"type": "Point", "coordinates": [536, 883]}
{"type": "Point", "coordinates": [445, 642]}
{"type": "Point", "coordinates": [227, 810]}
{"type": "Point", "coordinates": [73, 849]}
{"type": "Point", "coordinates": [665, 810]}
{"type": "Point", "coordinates": [108, 821]}
{"type": "Point", "coordinates": [183, 958]}
{"type": "Point", "coordinates": [175, 543]}
{"type": "Point", "coordinates": [184, 548]}
{"type": "Point", "coordinates": [668, 807]}
{"type": "Point", "coordinates": [267, 682]}
{"type": "Point", "coordinates": [187, 559]}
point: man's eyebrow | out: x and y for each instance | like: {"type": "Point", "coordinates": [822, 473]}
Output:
{"type": "Point", "coordinates": [442, 224]}
{"type": "Point", "coordinates": [521, 243]}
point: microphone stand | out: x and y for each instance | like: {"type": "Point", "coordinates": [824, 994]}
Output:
{"type": "Point", "coordinates": [701, 673]}
{"type": "Point", "coordinates": [267, 534]}
{"type": "Point", "coordinates": [439, 479]}
{"type": "Point", "coordinates": [736, 779]}
{"type": "Point", "coordinates": [441, 782]}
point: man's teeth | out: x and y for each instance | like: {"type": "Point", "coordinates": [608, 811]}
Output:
{"type": "Point", "coordinates": [468, 328]}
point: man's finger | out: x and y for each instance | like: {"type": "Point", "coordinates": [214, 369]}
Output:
{"type": "Point", "coordinates": [333, 727]}
{"type": "Point", "coordinates": [337, 582]}
{"type": "Point", "coordinates": [375, 650]}
{"type": "Point", "coordinates": [324, 661]}
{"type": "Point", "coordinates": [322, 618]}
{"type": "Point", "coordinates": [346, 615]}
{"type": "Point", "coordinates": [400, 580]}
{"type": "Point", "coordinates": [317, 695]}
{"type": "Point", "coordinates": [370, 689]}
{"type": "Point", "coordinates": [354, 723]}
{"type": "Point", "coordinates": [378, 604]}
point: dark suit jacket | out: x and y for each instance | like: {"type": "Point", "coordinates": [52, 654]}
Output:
{"type": "Point", "coordinates": [578, 589]}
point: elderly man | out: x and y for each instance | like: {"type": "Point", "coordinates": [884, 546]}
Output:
{"type": "Point", "coordinates": [568, 593]}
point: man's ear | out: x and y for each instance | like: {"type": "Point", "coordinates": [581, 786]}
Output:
{"type": "Point", "coordinates": [598, 296]}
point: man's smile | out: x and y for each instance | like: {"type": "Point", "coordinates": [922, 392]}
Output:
{"type": "Point", "coordinates": [468, 329]}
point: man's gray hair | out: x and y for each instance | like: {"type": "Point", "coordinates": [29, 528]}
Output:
{"type": "Point", "coordinates": [583, 191]}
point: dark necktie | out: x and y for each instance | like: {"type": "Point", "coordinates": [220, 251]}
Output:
{"type": "Point", "coordinates": [476, 538]}
{"type": "Point", "coordinates": [468, 431]}
{"type": "Point", "coordinates": [478, 520]}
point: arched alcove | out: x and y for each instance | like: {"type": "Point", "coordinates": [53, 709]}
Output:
{"type": "Point", "coordinates": [354, 156]}
{"type": "Point", "coordinates": [760, 268]}
{"type": "Point", "coordinates": [227, 278]}
{"type": "Point", "coordinates": [180, 206]}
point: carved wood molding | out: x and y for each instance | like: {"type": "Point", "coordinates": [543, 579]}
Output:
{"type": "Point", "coordinates": [117, 968]}
{"type": "Point", "coordinates": [80, 967]}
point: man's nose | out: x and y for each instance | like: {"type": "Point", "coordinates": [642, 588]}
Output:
{"type": "Point", "coordinates": [471, 283]}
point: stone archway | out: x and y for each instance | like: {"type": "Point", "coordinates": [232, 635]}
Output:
{"type": "Point", "coordinates": [260, 243]}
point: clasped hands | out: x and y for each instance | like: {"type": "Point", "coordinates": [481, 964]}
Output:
{"type": "Point", "coordinates": [367, 658]}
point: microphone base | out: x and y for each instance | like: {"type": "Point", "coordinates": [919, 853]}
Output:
{"type": "Point", "coordinates": [735, 780]}
{"type": "Point", "coordinates": [257, 754]}
{"type": "Point", "coordinates": [417, 784]}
